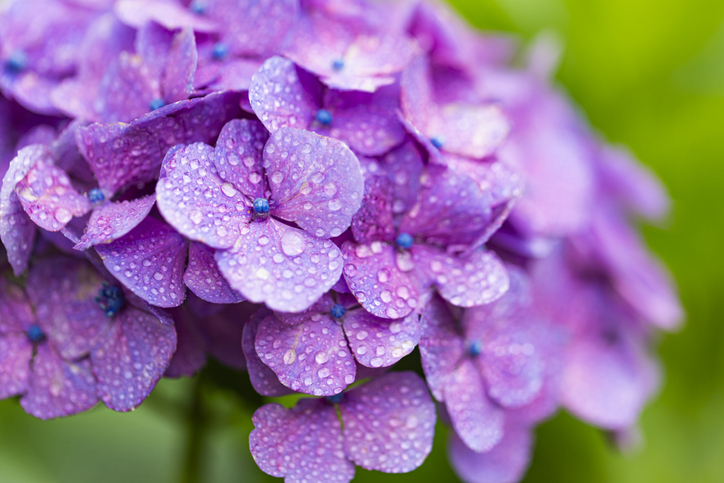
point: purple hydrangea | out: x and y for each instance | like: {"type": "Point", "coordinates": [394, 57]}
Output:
{"type": "Point", "coordinates": [341, 185]}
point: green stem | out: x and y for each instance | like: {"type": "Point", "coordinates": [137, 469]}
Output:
{"type": "Point", "coordinates": [194, 445]}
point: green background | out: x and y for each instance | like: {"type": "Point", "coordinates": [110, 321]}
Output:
{"type": "Point", "coordinates": [649, 74]}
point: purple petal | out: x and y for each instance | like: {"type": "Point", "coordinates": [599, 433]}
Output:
{"type": "Point", "coordinates": [323, 171]}
{"type": "Point", "coordinates": [374, 219]}
{"type": "Point", "coordinates": [112, 220]}
{"type": "Point", "coordinates": [607, 384]}
{"type": "Point", "coordinates": [279, 265]}
{"type": "Point", "coordinates": [233, 75]}
{"type": "Point", "coordinates": [506, 463]}
{"type": "Point", "coordinates": [367, 122]}
{"type": "Point", "coordinates": [57, 387]}
{"type": "Point", "coordinates": [153, 43]}
{"type": "Point", "coordinates": [476, 419]}
{"type": "Point", "coordinates": [63, 292]}
{"type": "Point", "coordinates": [322, 306]}
{"type": "Point", "coordinates": [389, 423]}
{"type": "Point", "coordinates": [376, 281]}
{"type": "Point", "coordinates": [475, 131]}
{"type": "Point", "coordinates": [311, 357]}
{"type": "Point", "coordinates": [379, 342]}
{"type": "Point", "coordinates": [17, 231]}
{"type": "Point", "coordinates": [263, 379]}
{"type": "Point", "coordinates": [150, 261]}
{"type": "Point", "coordinates": [177, 81]}
{"type": "Point", "coordinates": [441, 346]}
{"type": "Point", "coordinates": [15, 354]}
{"type": "Point", "coordinates": [224, 331]}
{"type": "Point", "coordinates": [126, 90]}
{"type": "Point", "coordinates": [190, 354]}
{"type": "Point", "coordinates": [123, 155]}
{"type": "Point", "coordinates": [48, 197]}
{"type": "Point", "coordinates": [300, 444]}
{"type": "Point", "coordinates": [204, 279]}
{"type": "Point", "coordinates": [451, 210]}
{"type": "Point", "coordinates": [171, 15]}
{"type": "Point", "coordinates": [416, 93]}
{"type": "Point", "coordinates": [463, 280]}
{"type": "Point", "coordinates": [283, 95]}
{"type": "Point", "coordinates": [132, 358]}
{"type": "Point", "coordinates": [16, 313]}
{"type": "Point", "coordinates": [238, 156]}
{"type": "Point", "coordinates": [197, 202]}
{"type": "Point", "coordinates": [404, 166]}
{"type": "Point", "coordinates": [254, 28]}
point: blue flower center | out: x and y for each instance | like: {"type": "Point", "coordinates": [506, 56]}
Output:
{"type": "Point", "coordinates": [324, 117]}
{"type": "Point", "coordinates": [336, 399]}
{"type": "Point", "coordinates": [220, 51]}
{"type": "Point", "coordinates": [96, 196]}
{"type": "Point", "coordinates": [17, 62]}
{"type": "Point", "coordinates": [198, 7]}
{"type": "Point", "coordinates": [338, 311]}
{"type": "Point", "coordinates": [404, 240]}
{"type": "Point", "coordinates": [156, 104]}
{"type": "Point", "coordinates": [475, 348]}
{"type": "Point", "coordinates": [438, 142]}
{"type": "Point", "coordinates": [110, 298]}
{"type": "Point", "coordinates": [338, 64]}
{"type": "Point", "coordinates": [261, 206]}
{"type": "Point", "coordinates": [35, 334]}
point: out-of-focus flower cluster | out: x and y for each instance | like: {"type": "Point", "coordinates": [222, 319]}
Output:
{"type": "Point", "coordinates": [310, 191]}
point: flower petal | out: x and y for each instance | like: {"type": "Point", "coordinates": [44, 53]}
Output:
{"type": "Point", "coordinates": [197, 202]}
{"type": "Point", "coordinates": [375, 280]}
{"type": "Point", "coordinates": [374, 219]}
{"type": "Point", "coordinates": [150, 261]}
{"type": "Point", "coordinates": [263, 379]}
{"type": "Point", "coordinates": [311, 357]}
{"type": "Point", "coordinates": [132, 358]}
{"type": "Point", "coordinates": [301, 443]}
{"type": "Point", "coordinates": [283, 267]}
{"type": "Point", "coordinates": [282, 94]}
{"type": "Point", "coordinates": [48, 197]}
{"type": "Point", "coordinates": [379, 342]}
{"type": "Point", "coordinates": [203, 277]}
{"type": "Point", "coordinates": [58, 388]}
{"type": "Point", "coordinates": [315, 181]}
{"type": "Point", "coordinates": [177, 80]}
{"type": "Point", "coordinates": [15, 354]}
{"type": "Point", "coordinates": [171, 15]}
{"type": "Point", "coordinates": [476, 419]}
{"type": "Point", "coordinates": [112, 220]}
{"type": "Point", "coordinates": [506, 463]}
{"type": "Point", "coordinates": [17, 231]}
{"type": "Point", "coordinates": [441, 346]}
{"type": "Point", "coordinates": [238, 157]}
{"type": "Point", "coordinates": [389, 423]}
{"type": "Point", "coordinates": [123, 155]}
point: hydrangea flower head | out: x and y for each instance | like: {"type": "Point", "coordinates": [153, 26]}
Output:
{"type": "Point", "coordinates": [316, 192]}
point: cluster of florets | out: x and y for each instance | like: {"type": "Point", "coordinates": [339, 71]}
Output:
{"type": "Point", "coordinates": [311, 191]}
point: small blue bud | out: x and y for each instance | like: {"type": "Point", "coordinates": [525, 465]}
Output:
{"type": "Point", "coordinates": [404, 240]}
{"type": "Point", "coordinates": [156, 104]}
{"type": "Point", "coordinates": [338, 64]}
{"type": "Point", "coordinates": [198, 7]}
{"type": "Point", "coordinates": [96, 196]}
{"type": "Point", "coordinates": [324, 117]}
{"type": "Point", "coordinates": [261, 206]}
{"type": "Point", "coordinates": [438, 142]}
{"type": "Point", "coordinates": [475, 348]}
{"type": "Point", "coordinates": [111, 299]}
{"type": "Point", "coordinates": [17, 62]}
{"type": "Point", "coordinates": [220, 51]}
{"type": "Point", "coordinates": [338, 311]}
{"type": "Point", "coordinates": [35, 334]}
{"type": "Point", "coordinates": [336, 399]}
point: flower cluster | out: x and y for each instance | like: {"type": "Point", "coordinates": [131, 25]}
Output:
{"type": "Point", "coordinates": [312, 191]}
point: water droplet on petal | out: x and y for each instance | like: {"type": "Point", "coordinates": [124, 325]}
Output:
{"type": "Point", "coordinates": [292, 243]}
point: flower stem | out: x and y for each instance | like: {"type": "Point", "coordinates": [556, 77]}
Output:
{"type": "Point", "coordinates": [195, 442]}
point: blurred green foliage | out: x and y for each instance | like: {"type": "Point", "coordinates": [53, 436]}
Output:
{"type": "Point", "coordinates": [648, 74]}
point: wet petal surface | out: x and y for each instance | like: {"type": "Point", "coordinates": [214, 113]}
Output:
{"type": "Point", "coordinates": [389, 423]}
{"type": "Point", "coordinates": [112, 220]}
{"type": "Point", "coordinates": [311, 357]}
{"type": "Point", "coordinates": [379, 342]}
{"type": "Point", "coordinates": [203, 277]}
{"type": "Point", "coordinates": [263, 379]}
{"type": "Point", "coordinates": [238, 157]}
